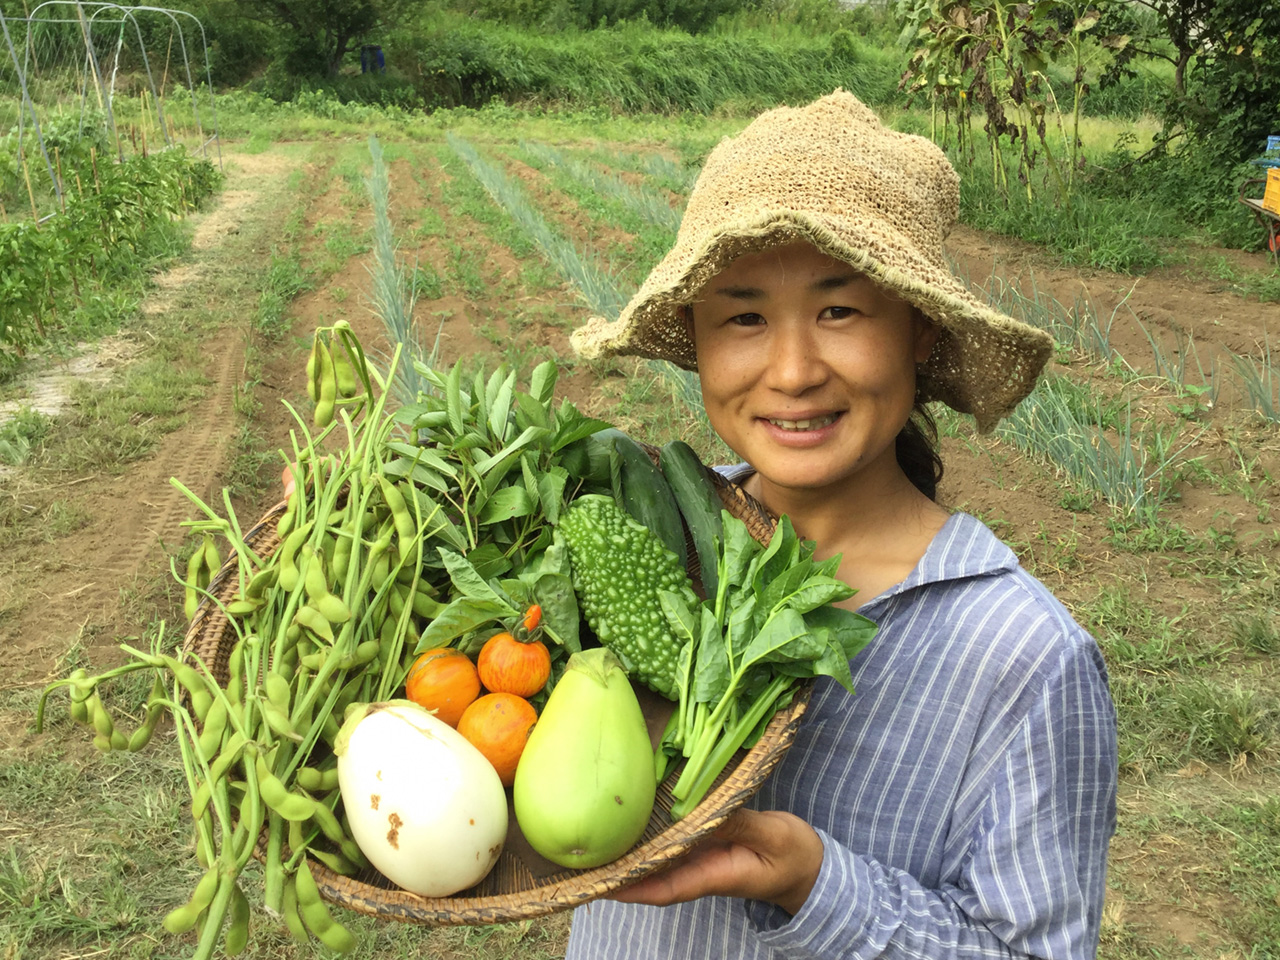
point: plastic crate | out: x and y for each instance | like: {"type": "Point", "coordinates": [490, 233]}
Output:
{"type": "Point", "coordinates": [1271, 198]}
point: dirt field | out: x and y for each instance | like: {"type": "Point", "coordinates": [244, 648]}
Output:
{"type": "Point", "coordinates": [86, 588]}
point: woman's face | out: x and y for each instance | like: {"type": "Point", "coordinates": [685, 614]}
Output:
{"type": "Point", "coordinates": [807, 367]}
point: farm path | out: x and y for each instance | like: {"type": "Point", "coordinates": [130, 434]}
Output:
{"type": "Point", "coordinates": [79, 588]}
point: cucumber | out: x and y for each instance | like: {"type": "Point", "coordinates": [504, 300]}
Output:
{"type": "Point", "coordinates": [643, 491]}
{"type": "Point", "coordinates": [699, 504]}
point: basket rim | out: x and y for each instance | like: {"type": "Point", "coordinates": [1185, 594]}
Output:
{"type": "Point", "coordinates": [564, 889]}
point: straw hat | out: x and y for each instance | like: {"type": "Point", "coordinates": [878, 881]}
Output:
{"type": "Point", "coordinates": [832, 174]}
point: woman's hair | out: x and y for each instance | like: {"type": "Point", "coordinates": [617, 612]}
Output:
{"type": "Point", "coordinates": [916, 448]}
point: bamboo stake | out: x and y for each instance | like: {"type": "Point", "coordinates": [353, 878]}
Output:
{"type": "Point", "coordinates": [165, 78]}
{"type": "Point", "coordinates": [62, 193]}
{"type": "Point", "coordinates": [26, 173]}
{"type": "Point", "coordinates": [93, 157]}
{"type": "Point", "coordinates": [93, 265]}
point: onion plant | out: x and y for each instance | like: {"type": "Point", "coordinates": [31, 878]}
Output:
{"type": "Point", "coordinates": [1260, 383]}
{"type": "Point", "coordinates": [594, 283]}
{"type": "Point", "coordinates": [394, 289]}
{"type": "Point", "coordinates": [650, 205]}
{"type": "Point", "coordinates": [1134, 471]}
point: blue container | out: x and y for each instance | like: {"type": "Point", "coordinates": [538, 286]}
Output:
{"type": "Point", "coordinates": [371, 59]}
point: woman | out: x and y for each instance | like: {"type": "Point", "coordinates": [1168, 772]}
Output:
{"type": "Point", "coordinates": [961, 804]}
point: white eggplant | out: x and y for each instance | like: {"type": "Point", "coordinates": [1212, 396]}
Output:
{"type": "Point", "coordinates": [425, 806]}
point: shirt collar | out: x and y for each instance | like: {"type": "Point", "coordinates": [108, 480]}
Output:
{"type": "Point", "coordinates": [963, 548]}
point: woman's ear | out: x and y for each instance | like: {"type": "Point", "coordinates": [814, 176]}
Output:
{"type": "Point", "coordinates": [926, 335]}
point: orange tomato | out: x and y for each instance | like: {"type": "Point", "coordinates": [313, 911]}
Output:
{"type": "Point", "coordinates": [443, 680]}
{"type": "Point", "coordinates": [498, 725]}
{"type": "Point", "coordinates": [508, 665]}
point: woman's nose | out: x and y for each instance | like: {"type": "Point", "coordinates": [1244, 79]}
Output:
{"type": "Point", "coordinates": [795, 363]}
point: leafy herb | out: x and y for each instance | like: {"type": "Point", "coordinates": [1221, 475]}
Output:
{"type": "Point", "coordinates": [770, 624]}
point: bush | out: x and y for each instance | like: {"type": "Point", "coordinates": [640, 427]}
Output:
{"type": "Point", "coordinates": [638, 68]}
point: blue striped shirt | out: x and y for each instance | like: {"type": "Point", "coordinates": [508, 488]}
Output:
{"type": "Point", "coordinates": [965, 796]}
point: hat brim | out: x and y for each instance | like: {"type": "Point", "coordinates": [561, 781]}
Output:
{"type": "Point", "coordinates": [977, 345]}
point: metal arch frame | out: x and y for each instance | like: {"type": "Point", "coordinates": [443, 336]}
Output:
{"type": "Point", "coordinates": [86, 28]}
{"type": "Point", "coordinates": [26, 102]}
{"type": "Point", "coordinates": [128, 12]}
{"type": "Point", "coordinates": [186, 62]}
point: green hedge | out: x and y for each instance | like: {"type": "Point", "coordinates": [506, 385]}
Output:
{"type": "Point", "coordinates": [637, 68]}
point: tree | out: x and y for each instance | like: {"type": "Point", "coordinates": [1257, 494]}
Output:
{"type": "Point", "coordinates": [1226, 85]}
{"type": "Point", "coordinates": [316, 34]}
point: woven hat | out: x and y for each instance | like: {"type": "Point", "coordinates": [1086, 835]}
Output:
{"type": "Point", "coordinates": [882, 201]}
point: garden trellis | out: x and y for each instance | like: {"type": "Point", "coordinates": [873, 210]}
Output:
{"type": "Point", "coordinates": [124, 79]}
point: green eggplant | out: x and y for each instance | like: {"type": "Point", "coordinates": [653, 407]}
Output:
{"type": "Point", "coordinates": [584, 787]}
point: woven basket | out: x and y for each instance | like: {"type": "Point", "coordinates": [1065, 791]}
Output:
{"type": "Point", "coordinates": [523, 884]}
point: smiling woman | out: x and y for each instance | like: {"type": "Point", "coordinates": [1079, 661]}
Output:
{"type": "Point", "coordinates": [962, 802]}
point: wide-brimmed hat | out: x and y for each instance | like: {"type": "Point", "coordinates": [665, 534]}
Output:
{"type": "Point", "coordinates": [832, 174]}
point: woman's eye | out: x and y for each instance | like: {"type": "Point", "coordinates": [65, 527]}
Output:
{"type": "Point", "coordinates": [747, 320]}
{"type": "Point", "coordinates": [836, 313]}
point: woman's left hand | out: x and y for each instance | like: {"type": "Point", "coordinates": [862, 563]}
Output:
{"type": "Point", "coordinates": [757, 855]}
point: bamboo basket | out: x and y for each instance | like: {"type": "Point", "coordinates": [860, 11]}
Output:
{"type": "Point", "coordinates": [523, 884]}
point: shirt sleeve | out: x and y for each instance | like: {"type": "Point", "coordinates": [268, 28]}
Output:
{"type": "Point", "coordinates": [1034, 881]}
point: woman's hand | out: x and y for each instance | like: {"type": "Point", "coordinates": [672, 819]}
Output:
{"type": "Point", "coordinates": [757, 855]}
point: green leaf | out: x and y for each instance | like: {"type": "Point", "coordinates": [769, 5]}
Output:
{"type": "Point", "coordinates": [833, 663]}
{"type": "Point", "coordinates": [530, 434]}
{"type": "Point", "coordinates": [439, 524]}
{"type": "Point", "coordinates": [572, 425]}
{"type": "Point", "coordinates": [542, 382]}
{"type": "Point", "coordinates": [489, 561]}
{"type": "Point", "coordinates": [420, 474]}
{"type": "Point", "coordinates": [560, 614]}
{"type": "Point", "coordinates": [530, 413]}
{"type": "Point", "coordinates": [500, 407]}
{"type": "Point", "coordinates": [711, 672]}
{"type": "Point", "coordinates": [468, 582]}
{"type": "Point", "coordinates": [851, 631]}
{"type": "Point", "coordinates": [425, 455]}
{"type": "Point", "coordinates": [740, 548]}
{"type": "Point", "coordinates": [551, 487]}
{"type": "Point", "coordinates": [453, 397]}
{"type": "Point", "coordinates": [507, 503]}
{"type": "Point", "coordinates": [519, 591]}
{"type": "Point", "coordinates": [480, 398]}
{"type": "Point", "coordinates": [683, 619]}
{"type": "Point", "coordinates": [459, 617]}
{"type": "Point", "coordinates": [815, 592]}
{"type": "Point", "coordinates": [780, 554]}
{"type": "Point", "coordinates": [741, 627]}
{"type": "Point", "coordinates": [783, 628]}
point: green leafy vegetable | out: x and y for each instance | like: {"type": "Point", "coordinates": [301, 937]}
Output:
{"type": "Point", "coordinates": [770, 624]}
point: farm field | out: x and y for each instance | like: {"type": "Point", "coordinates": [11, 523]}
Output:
{"type": "Point", "coordinates": [1175, 573]}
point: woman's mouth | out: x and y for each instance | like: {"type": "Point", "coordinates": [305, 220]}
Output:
{"type": "Point", "coordinates": [813, 423]}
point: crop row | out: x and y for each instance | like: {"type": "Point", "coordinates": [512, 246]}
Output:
{"type": "Point", "coordinates": [113, 219]}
